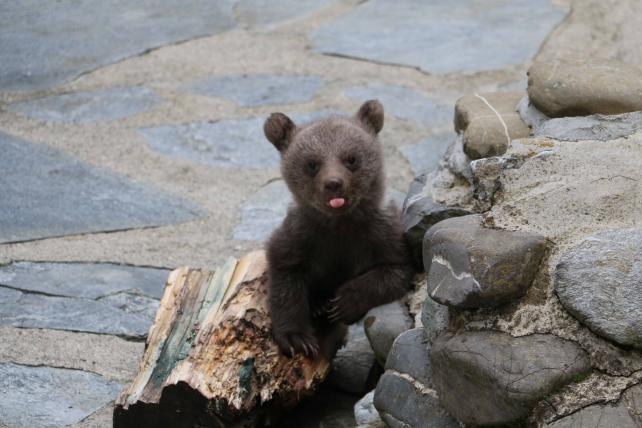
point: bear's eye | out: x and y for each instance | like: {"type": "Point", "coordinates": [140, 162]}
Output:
{"type": "Point", "coordinates": [351, 162]}
{"type": "Point", "coordinates": [312, 167]}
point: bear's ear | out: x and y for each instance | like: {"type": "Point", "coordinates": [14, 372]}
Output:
{"type": "Point", "coordinates": [278, 129]}
{"type": "Point", "coordinates": [370, 115]}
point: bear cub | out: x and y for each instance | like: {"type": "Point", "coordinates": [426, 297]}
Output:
{"type": "Point", "coordinates": [339, 252]}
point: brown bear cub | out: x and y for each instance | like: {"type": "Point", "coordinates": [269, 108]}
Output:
{"type": "Point", "coordinates": [339, 251]}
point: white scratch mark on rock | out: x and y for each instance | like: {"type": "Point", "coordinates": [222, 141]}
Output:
{"type": "Point", "coordinates": [499, 116]}
{"type": "Point", "coordinates": [442, 261]}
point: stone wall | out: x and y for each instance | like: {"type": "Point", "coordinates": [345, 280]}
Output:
{"type": "Point", "coordinates": [530, 233]}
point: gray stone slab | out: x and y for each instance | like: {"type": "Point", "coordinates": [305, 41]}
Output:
{"type": "Point", "coordinates": [26, 310]}
{"type": "Point", "coordinates": [263, 212]}
{"type": "Point", "coordinates": [227, 143]}
{"type": "Point", "coordinates": [134, 304]}
{"type": "Point", "coordinates": [596, 127]}
{"type": "Point", "coordinates": [47, 43]}
{"type": "Point", "coordinates": [85, 107]}
{"type": "Point", "coordinates": [441, 36]}
{"type": "Point", "coordinates": [261, 13]}
{"type": "Point", "coordinates": [425, 155]}
{"type": "Point", "coordinates": [47, 193]}
{"type": "Point", "coordinates": [258, 89]}
{"type": "Point", "coordinates": [43, 397]}
{"type": "Point", "coordinates": [9, 296]}
{"type": "Point", "coordinates": [85, 280]}
{"type": "Point", "coordinates": [404, 103]}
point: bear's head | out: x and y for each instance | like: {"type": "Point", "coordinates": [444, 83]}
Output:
{"type": "Point", "coordinates": [334, 164]}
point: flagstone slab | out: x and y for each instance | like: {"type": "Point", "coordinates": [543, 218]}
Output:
{"type": "Point", "coordinates": [83, 280]}
{"type": "Point", "coordinates": [90, 297]}
{"type": "Point", "coordinates": [404, 103]}
{"type": "Point", "coordinates": [258, 89]}
{"type": "Point", "coordinates": [48, 43]}
{"type": "Point", "coordinates": [47, 193]}
{"type": "Point", "coordinates": [425, 155]}
{"type": "Point", "coordinates": [225, 143]}
{"type": "Point", "coordinates": [261, 13]}
{"type": "Point", "coordinates": [441, 36]}
{"type": "Point", "coordinates": [263, 212]}
{"type": "Point", "coordinates": [26, 310]}
{"type": "Point", "coordinates": [47, 397]}
{"type": "Point", "coordinates": [87, 107]}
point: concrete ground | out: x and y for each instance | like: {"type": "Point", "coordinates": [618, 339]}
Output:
{"type": "Point", "coordinates": [131, 135]}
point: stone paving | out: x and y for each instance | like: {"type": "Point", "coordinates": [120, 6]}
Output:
{"type": "Point", "coordinates": [131, 143]}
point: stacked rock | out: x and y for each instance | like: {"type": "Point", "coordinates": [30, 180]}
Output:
{"type": "Point", "coordinates": [530, 236]}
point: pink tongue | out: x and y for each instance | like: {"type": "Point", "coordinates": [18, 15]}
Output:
{"type": "Point", "coordinates": [337, 202]}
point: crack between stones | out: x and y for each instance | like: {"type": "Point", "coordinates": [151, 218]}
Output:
{"type": "Point", "coordinates": [64, 296]}
{"type": "Point", "coordinates": [86, 262]}
{"type": "Point", "coordinates": [142, 53]}
{"type": "Point", "coordinates": [132, 339]}
{"type": "Point", "coordinates": [40, 293]}
{"type": "Point", "coordinates": [376, 62]}
{"type": "Point", "coordinates": [618, 399]}
{"type": "Point", "coordinates": [53, 366]}
{"type": "Point", "coordinates": [82, 234]}
{"type": "Point", "coordinates": [127, 338]}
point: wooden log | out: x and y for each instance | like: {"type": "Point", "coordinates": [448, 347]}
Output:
{"type": "Point", "coordinates": [209, 358]}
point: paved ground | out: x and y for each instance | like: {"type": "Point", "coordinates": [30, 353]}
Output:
{"type": "Point", "coordinates": [131, 143]}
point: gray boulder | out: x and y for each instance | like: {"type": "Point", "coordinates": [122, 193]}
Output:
{"type": "Point", "coordinates": [409, 355]}
{"type": "Point", "coordinates": [365, 414]}
{"type": "Point", "coordinates": [404, 394]}
{"type": "Point", "coordinates": [596, 127]}
{"type": "Point", "coordinates": [354, 368]}
{"type": "Point", "coordinates": [585, 87]}
{"type": "Point", "coordinates": [486, 175]}
{"type": "Point", "coordinates": [470, 266]}
{"type": "Point", "coordinates": [491, 378]}
{"type": "Point", "coordinates": [489, 122]}
{"type": "Point", "coordinates": [471, 107]}
{"type": "Point", "coordinates": [383, 324]}
{"type": "Point", "coordinates": [600, 282]}
{"type": "Point", "coordinates": [420, 212]}
{"type": "Point", "coordinates": [598, 416]}
{"type": "Point", "coordinates": [403, 403]}
{"type": "Point", "coordinates": [434, 318]}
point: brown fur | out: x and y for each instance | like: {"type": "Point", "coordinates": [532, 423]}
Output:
{"type": "Point", "coordinates": [332, 264]}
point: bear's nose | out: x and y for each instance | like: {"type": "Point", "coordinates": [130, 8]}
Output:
{"type": "Point", "coordinates": [333, 184]}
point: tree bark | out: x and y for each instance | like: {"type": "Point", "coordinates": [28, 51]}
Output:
{"type": "Point", "coordinates": [210, 360]}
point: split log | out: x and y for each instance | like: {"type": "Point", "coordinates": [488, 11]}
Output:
{"type": "Point", "coordinates": [209, 358]}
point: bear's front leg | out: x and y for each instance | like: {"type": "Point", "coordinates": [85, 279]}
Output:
{"type": "Point", "coordinates": [289, 310]}
{"type": "Point", "coordinates": [377, 286]}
